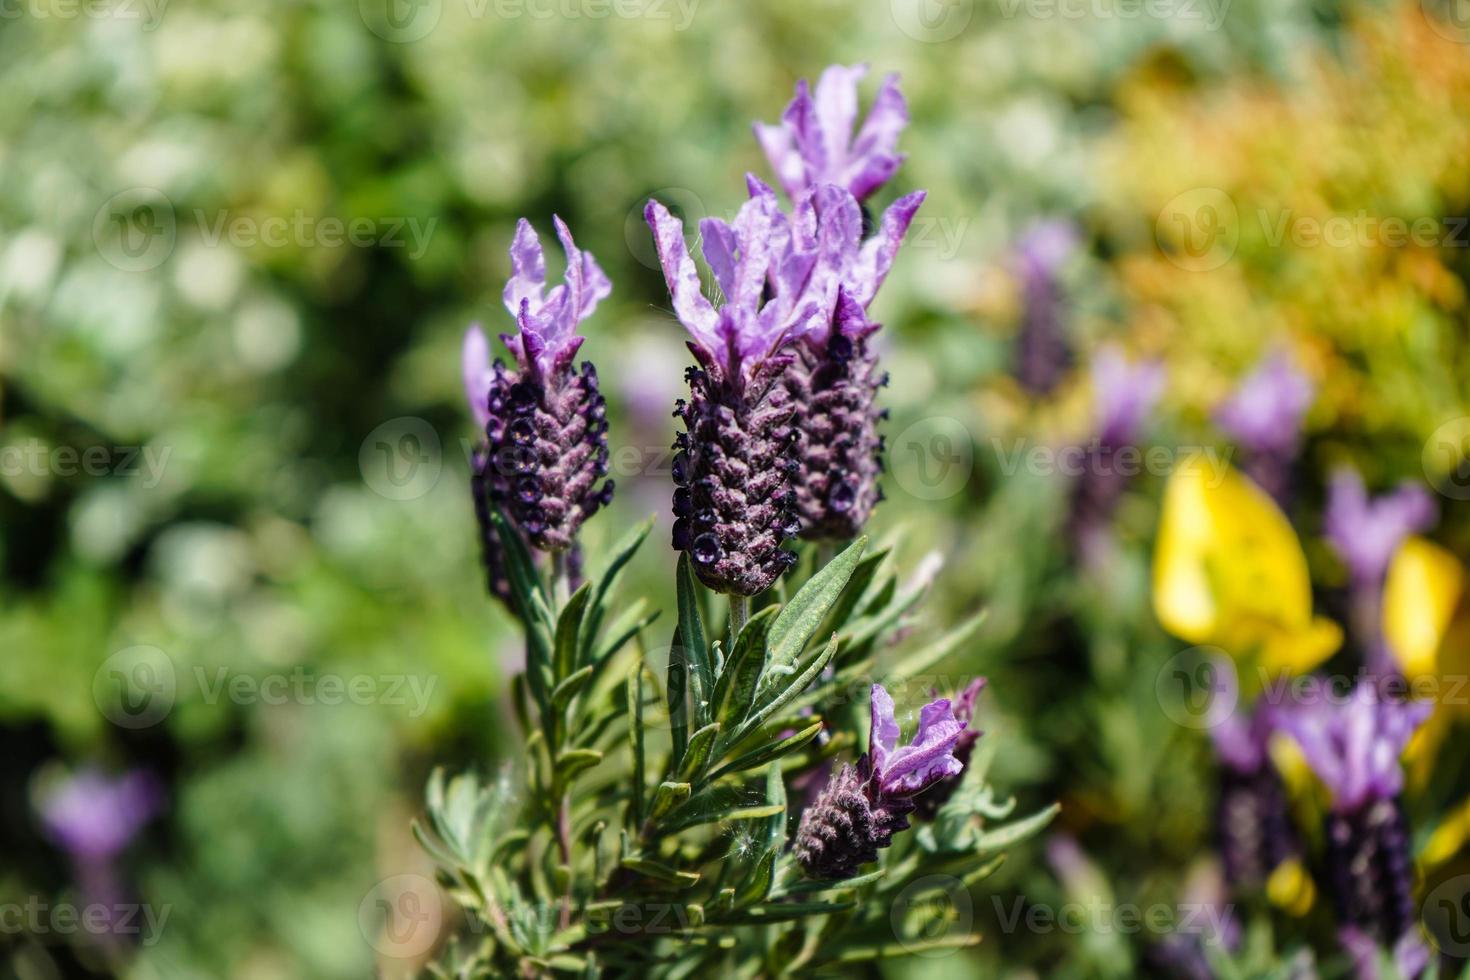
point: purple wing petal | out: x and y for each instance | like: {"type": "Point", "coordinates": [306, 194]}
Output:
{"type": "Point", "coordinates": [870, 172]}
{"type": "Point", "coordinates": [837, 106]}
{"type": "Point", "coordinates": [527, 269]}
{"type": "Point", "coordinates": [690, 305]}
{"type": "Point", "coordinates": [719, 251]}
{"type": "Point", "coordinates": [883, 735]}
{"type": "Point", "coordinates": [928, 757]}
{"type": "Point", "coordinates": [877, 255]}
{"type": "Point", "coordinates": [804, 125]}
{"type": "Point", "coordinates": [475, 363]}
{"type": "Point", "coordinates": [886, 120]}
{"type": "Point", "coordinates": [785, 158]}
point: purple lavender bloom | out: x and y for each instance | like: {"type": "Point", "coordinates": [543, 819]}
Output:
{"type": "Point", "coordinates": [1124, 395]}
{"type": "Point", "coordinates": [545, 425]}
{"type": "Point", "coordinates": [734, 505]}
{"type": "Point", "coordinates": [1354, 746]}
{"type": "Point", "coordinates": [927, 806]}
{"type": "Point", "coordinates": [863, 806]}
{"type": "Point", "coordinates": [1264, 415]}
{"type": "Point", "coordinates": [833, 377]}
{"type": "Point", "coordinates": [1365, 532]}
{"type": "Point", "coordinates": [814, 145]}
{"type": "Point", "coordinates": [1043, 353]}
{"type": "Point", "coordinates": [95, 817]}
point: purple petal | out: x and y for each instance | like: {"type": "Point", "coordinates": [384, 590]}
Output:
{"type": "Point", "coordinates": [1124, 394]}
{"type": "Point", "coordinates": [527, 269]}
{"type": "Point", "coordinates": [690, 305]}
{"type": "Point", "coordinates": [886, 121]}
{"type": "Point", "coordinates": [589, 285]}
{"type": "Point", "coordinates": [837, 106]}
{"type": "Point", "coordinates": [883, 734]}
{"type": "Point", "coordinates": [928, 758]}
{"type": "Point", "coordinates": [1366, 532]}
{"type": "Point", "coordinates": [475, 363]}
{"type": "Point", "coordinates": [1265, 413]}
{"type": "Point", "coordinates": [785, 158]}
{"type": "Point", "coordinates": [719, 251]}
{"type": "Point", "coordinates": [877, 254]}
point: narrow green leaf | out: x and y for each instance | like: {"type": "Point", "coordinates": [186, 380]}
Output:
{"type": "Point", "coordinates": [669, 795]}
{"type": "Point", "coordinates": [736, 686]}
{"type": "Point", "coordinates": [621, 553]}
{"type": "Point", "coordinates": [573, 761]}
{"type": "Point", "coordinates": [567, 626]}
{"type": "Point", "coordinates": [856, 589]}
{"type": "Point", "coordinates": [925, 658]}
{"type": "Point", "coordinates": [782, 912]}
{"type": "Point", "coordinates": [678, 702]}
{"type": "Point", "coordinates": [635, 739]}
{"type": "Point", "coordinates": [809, 887]}
{"type": "Point", "coordinates": [757, 883]}
{"type": "Point", "coordinates": [697, 753]}
{"type": "Point", "coordinates": [1012, 833]}
{"type": "Point", "coordinates": [792, 690]}
{"type": "Point", "coordinates": [693, 639]}
{"type": "Point", "coordinates": [911, 947]}
{"type": "Point", "coordinates": [768, 753]}
{"type": "Point", "coordinates": [569, 688]}
{"type": "Point", "coordinates": [800, 617]}
{"type": "Point", "coordinates": [661, 872]}
{"type": "Point", "coordinates": [776, 824]}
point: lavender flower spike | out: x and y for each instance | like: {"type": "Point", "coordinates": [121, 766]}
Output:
{"type": "Point", "coordinates": [545, 429]}
{"type": "Point", "coordinates": [1265, 417]}
{"type": "Point", "coordinates": [814, 144]}
{"type": "Point", "coordinates": [1354, 746]}
{"type": "Point", "coordinates": [1043, 351]}
{"type": "Point", "coordinates": [864, 805]}
{"type": "Point", "coordinates": [734, 505]}
{"type": "Point", "coordinates": [1366, 532]}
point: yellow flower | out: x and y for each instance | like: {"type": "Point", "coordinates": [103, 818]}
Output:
{"type": "Point", "coordinates": [1229, 571]}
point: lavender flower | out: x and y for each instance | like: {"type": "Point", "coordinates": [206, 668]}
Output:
{"type": "Point", "coordinates": [1264, 415]}
{"type": "Point", "coordinates": [1354, 746]}
{"type": "Point", "coordinates": [927, 806]}
{"type": "Point", "coordinates": [1253, 828]}
{"type": "Point", "coordinates": [1043, 353]}
{"type": "Point", "coordinates": [734, 505]}
{"type": "Point", "coordinates": [833, 378]}
{"type": "Point", "coordinates": [814, 145]}
{"type": "Point", "coordinates": [1124, 395]}
{"type": "Point", "coordinates": [545, 428]}
{"type": "Point", "coordinates": [864, 805]}
{"type": "Point", "coordinates": [1365, 532]}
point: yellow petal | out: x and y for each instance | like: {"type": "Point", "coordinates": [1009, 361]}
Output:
{"type": "Point", "coordinates": [1419, 599]}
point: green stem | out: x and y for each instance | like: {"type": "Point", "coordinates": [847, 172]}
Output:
{"type": "Point", "coordinates": [559, 580]}
{"type": "Point", "coordinates": [739, 613]}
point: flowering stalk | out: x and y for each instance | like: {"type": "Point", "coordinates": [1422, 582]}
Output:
{"type": "Point", "coordinates": [544, 425]}
{"type": "Point", "coordinates": [1354, 748]}
{"type": "Point", "coordinates": [1043, 349]}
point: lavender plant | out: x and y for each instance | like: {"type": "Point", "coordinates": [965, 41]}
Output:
{"type": "Point", "coordinates": [648, 830]}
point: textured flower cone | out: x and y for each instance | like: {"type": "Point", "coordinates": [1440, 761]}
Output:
{"type": "Point", "coordinates": [1043, 355]}
{"type": "Point", "coordinates": [1371, 870]}
{"type": "Point", "coordinates": [548, 449]}
{"type": "Point", "coordinates": [838, 448]}
{"type": "Point", "coordinates": [492, 551]}
{"type": "Point", "coordinates": [1252, 826]}
{"type": "Point", "coordinates": [734, 504]}
{"type": "Point", "coordinates": [846, 827]}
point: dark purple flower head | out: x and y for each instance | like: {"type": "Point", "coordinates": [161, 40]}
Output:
{"type": "Point", "coordinates": [1353, 743]}
{"type": "Point", "coordinates": [863, 806]}
{"type": "Point", "coordinates": [94, 816]}
{"type": "Point", "coordinates": [1265, 413]}
{"type": "Point", "coordinates": [1124, 395]}
{"type": "Point", "coordinates": [1043, 350]}
{"type": "Point", "coordinates": [813, 144]}
{"type": "Point", "coordinates": [545, 425]}
{"type": "Point", "coordinates": [1365, 532]}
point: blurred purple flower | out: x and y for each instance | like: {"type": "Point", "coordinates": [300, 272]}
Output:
{"type": "Point", "coordinates": [1124, 395]}
{"type": "Point", "coordinates": [813, 144]}
{"type": "Point", "coordinates": [94, 816]}
{"type": "Point", "coordinates": [863, 806]}
{"type": "Point", "coordinates": [1264, 416]}
{"type": "Point", "coordinates": [1043, 351]}
{"type": "Point", "coordinates": [1353, 743]}
{"type": "Point", "coordinates": [1365, 532]}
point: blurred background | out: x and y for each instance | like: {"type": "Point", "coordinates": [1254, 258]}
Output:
{"type": "Point", "coordinates": [239, 247]}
